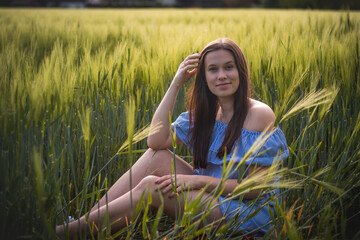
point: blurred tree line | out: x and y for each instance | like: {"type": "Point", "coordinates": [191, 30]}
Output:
{"type": "Point", "coordinates": [313, 4]}
{"type": "Point", "coordinates": [302, 4]}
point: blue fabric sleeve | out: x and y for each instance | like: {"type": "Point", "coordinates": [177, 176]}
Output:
{"type": "Point", "coordinates": [274, 149]}
{"type": "Point", "coordinates": [181, 128]}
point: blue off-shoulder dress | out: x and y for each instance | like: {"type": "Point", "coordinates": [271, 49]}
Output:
{"type": "Point", "coordinates": [274, 149]}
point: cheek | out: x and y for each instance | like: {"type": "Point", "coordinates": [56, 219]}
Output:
{"type": "Point", "coordinates": [209, 82]}
{"type": "Point", "coordinates": [210, 77]}
{"type": "Point", "coordinates": [235, 75]}
{"type": "Point", "coordinates": [237, 84]}
{"type": "Point", "coordinates": [207, 76]}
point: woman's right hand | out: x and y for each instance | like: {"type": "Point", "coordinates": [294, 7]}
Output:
{"type": "Point", "coordinates": [187, 69]}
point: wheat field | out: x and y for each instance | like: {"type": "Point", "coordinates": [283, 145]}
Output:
{"type": "Point", "coordinates": [77, 85]}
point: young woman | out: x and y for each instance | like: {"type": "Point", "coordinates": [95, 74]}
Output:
{"type": "Point", "coordinates": [221, 117]}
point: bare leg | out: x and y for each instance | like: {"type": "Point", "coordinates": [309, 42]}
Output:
{"type": "Point", "coordinates": [152, 162]}
{"type": "Point", "coordinates": [119, 209]}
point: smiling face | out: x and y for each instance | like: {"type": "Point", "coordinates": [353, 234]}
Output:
{"type": "Point", "coordinates": [221, 74]}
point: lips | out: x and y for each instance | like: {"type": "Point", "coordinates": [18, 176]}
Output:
{"type": "Point", "coordinates": [223, 84]}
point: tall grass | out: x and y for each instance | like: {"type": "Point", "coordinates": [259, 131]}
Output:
{"type": "Point", "coordinates": [67, 77]}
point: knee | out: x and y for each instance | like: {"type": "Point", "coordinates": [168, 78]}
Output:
{"type": "Point", "coordinates": [161, 153]}
{"type": "Point", "coordinates": [147, 184]}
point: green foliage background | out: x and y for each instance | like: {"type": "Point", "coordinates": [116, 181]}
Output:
{"type": "Point", "coordinates": [67, 75]}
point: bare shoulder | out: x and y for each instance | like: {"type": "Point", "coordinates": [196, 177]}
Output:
{"type": "Point", "coordinates": [260, 117]}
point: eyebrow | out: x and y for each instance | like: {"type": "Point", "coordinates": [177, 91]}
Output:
{"type": "Point", "coordinates": [224, 64]}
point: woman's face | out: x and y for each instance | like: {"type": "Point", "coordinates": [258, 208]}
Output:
{"type": "Point", "coordinates": [221, 74]}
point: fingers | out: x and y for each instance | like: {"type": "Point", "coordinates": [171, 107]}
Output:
{"type": "Point", "coordinates": [190, 60]}
{"type": "Point", "coordinates": [169, 189]}
{"type": "Point", "coordinates": [191, 69]}
{"type": "Point", "coordinates": [166, 185]}
{"type": "Point", "coordinates": [166, 189]}
{"type": "Point", "coordinates": [187, 69]}
{"type": "Point", "coordinates": [189, 65]}
{"type": "Point", "coordinates": [178, 190]}
{"type": "Point", "coordinates": [162, 179]}
{"type": "Point", "coordinates": [195, 55]}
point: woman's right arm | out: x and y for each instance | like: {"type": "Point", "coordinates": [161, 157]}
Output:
{"type": "Point", "coordinates": [162, 139]}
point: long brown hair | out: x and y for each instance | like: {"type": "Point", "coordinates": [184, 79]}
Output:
{"type": "Point", "coordinates": [203, 105]}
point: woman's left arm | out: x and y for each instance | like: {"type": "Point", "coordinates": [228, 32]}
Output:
{"type": "Point", "coordinates": [197, 182]}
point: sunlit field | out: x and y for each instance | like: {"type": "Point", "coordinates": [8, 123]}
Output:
{"type": "Point", "coordinates": [79, 87]}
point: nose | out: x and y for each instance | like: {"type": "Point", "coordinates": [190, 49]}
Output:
{"type": "Point", "coordinates": [222, 74]}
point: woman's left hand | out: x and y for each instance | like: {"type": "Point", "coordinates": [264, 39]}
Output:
{"type": "Point", "coordinates": [183, 182]}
